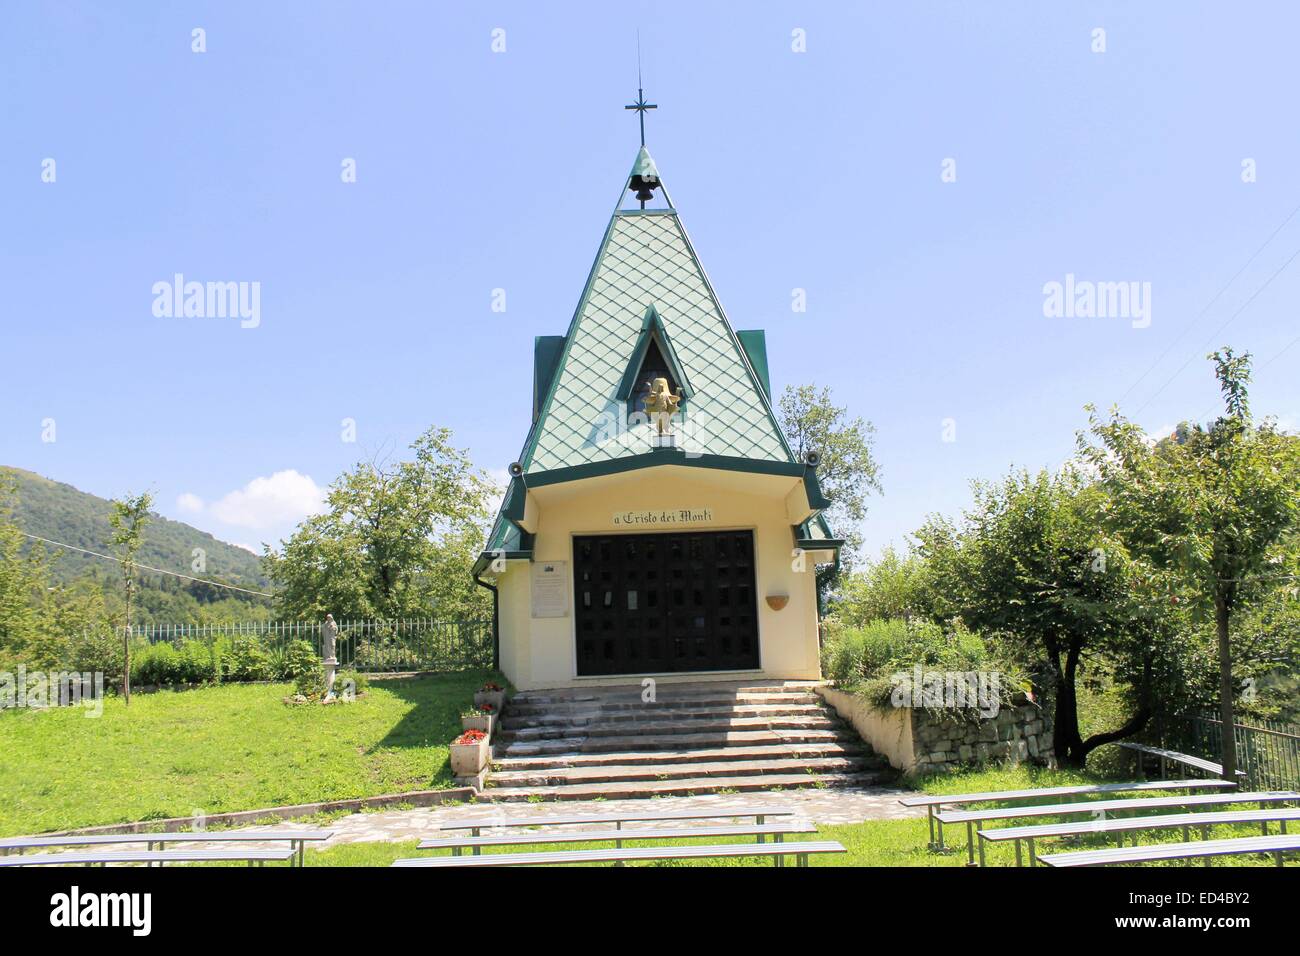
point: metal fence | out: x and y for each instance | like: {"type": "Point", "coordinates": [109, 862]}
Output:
{"type": "Point", "coordinates": [371, 646]}
{"type": "Point", "coordinates": [1267, 752]}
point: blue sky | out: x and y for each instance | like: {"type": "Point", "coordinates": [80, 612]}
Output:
{"type": "Point", "coordinates": [480, 170]}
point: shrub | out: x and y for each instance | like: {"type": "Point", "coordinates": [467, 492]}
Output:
{"type": "Point", "coordinates": [311, 682]}
{"type": "Point", "coordinates": [162, 664]}
{"type": "Point", "coordinates": [865, 659]}
{"type": "Point", "coordinates": [359, 681]}
{"type": "Point", "coordinates": [249, 660]}
{"type": "Point", "coordinates": [154, 664]}
{"type": "Point", "coordinates": [293, 660]}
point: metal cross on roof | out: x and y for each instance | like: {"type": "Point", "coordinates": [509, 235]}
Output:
{"type": "Point", "coordinates": [641, 106]}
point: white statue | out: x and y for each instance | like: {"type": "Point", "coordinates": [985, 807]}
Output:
{"type": "Point", "coordinates": [329, 639]}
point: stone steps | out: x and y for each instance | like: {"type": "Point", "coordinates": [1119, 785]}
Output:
{"type": "Point", "coordinates": [529, 705]}
{"type": "Point", "coordinates": [581, 743]}
{"type": "Point", "coordinates": [703, 755]}
{"type": "Point", "coordinates": [593, 743]}
{"type": "Point", "coordinates": [672, 771]}
{"type": "Point", "coordinates": [690, 786]}
{"type": "Point", "coordinates": [539, 717]}
{"type": "Point", "coordinates": [657, 727]}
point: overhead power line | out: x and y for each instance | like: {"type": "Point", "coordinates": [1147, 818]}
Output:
{"type": "Point", "coordinates": [1178, 338]}
{"type": "Point", "coordinates": [175, 574]}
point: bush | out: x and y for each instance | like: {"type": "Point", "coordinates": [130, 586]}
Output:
{"type": "Point", "coordinates": [359, 681]}
{"type": "Point", "coordinates": [163, 664]}
{"type": "Point", "coordinates": [311, 682]}
{"type": "Point", "coordinates": [864, 660]}
{"type": "Point", "coordinates": [292, 661]}
{"type": "Point", "coordinates": [249, 660]}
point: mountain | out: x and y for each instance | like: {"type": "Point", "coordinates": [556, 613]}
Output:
{"type": "Point", "coordinates": [59, 512]}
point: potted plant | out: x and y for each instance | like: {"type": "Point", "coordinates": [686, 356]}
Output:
{"type": "Point", "coordinates": [490, 693]}
{"type": "Point", "coordinates": [469, 753]}
{"type": "Point", "coordinates": [479, 718]}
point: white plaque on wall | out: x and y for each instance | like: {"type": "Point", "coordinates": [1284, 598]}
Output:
{"type": "Point", "coordinates": [551, 589]}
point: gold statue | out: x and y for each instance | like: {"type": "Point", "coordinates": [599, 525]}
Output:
{"type": "Point", "coordinates": [660, 405]}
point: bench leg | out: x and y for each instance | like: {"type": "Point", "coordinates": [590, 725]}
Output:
{"type": "Point", "coordinates": [780, 857]}
{"type": "Point", "coordinates": [1017, 843]}
{"type": "Point", "coordinates": [1187, 834]}
{"type": "Point", "coordinates": [1277, 857]}
{"type": "Point", "coordinates": [759, 819]}
{"type": "Point", "coordinates": [981, 839]}
{"type": "Point", "coordinates": [929, 819]}
{"type": "Point", "coordinates": [474, 831]}
{"type": "Point", "coordinates": [1033, 855]}
{"type": "Point", "coordinates": [938, 825]}
{"type": "Point", "coordinates": [1282, 826]}
{"type": "Point", "coordinates": [803, 859]}
{"type": "Point", "coordinates": [970, 846]}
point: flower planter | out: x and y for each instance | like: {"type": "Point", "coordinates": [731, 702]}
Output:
{"type": "Point", "coordinates": [490, 698]}
{"type": "Point", "coordinates": [469, 753]}
{"type": "Point", "coordinates": [483, 722]}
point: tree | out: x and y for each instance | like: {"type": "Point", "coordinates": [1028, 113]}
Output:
{"type": "Point", "coordinates": [1031, 566]}
{"type": "Point", "coordinates": [23, 596]}
{"type": "Point", "coordinates": [888, 587]}
{"type": "Point", "coordinates": [127, 521]}
{"type": "Point", "coordinates": [847, 472]}
{"type": "Point", "coordinates": [397, 541]}
{"type": "Point", "coordinates": [1209, 506]}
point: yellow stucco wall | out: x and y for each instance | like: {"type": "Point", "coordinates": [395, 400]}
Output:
{"type": "Point", "coordinates": [540, 652]}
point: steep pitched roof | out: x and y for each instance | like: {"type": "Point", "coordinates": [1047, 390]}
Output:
{"type": "Point", "coordinates": [646, 260]}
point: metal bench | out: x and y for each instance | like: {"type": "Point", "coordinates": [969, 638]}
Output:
{"type": "Point", "coordinates": [102, 857]}
{"type": "Point", "coordinates": [476, 827]}
{"type": "Point", "coordinates": [297, 839]}
{"type": "Point", "coordinates": [777, 831]}
{"type": "Point", "coordinates": [971, 817]}
{"type": "Point", "coordinates": [1276, 845]}
{"type": "Point", "coordinates": [1173, 756]}
{"type": "Point", "coordinates": [1121, 825]}
{"type": "Point", "coordinates": [935, 802]}
{"type": "Point", "coordinates": [800, 851]}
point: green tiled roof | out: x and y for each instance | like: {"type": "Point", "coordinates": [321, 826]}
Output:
{"type": "Point", "coordinates": [647, 260]}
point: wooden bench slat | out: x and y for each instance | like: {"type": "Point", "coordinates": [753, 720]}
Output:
{"type": "Point", "coordinates": [617, 818]}
{"type": "Point", "coordinates": [613, 855]}
{"type": "Point", "coordinates": [1106, 806]}
{"type": "Point", "coordinates": [177, 836]}
{"type": "Point", "coordinates": [1174, 851]}
{"type": "Point", "coordinates": [1001, 795]}
{"type": "Point", "coordinates": [582, 836]}
{"type": "Point", "coordinates": [1121, 824]}
{"type": "Point", "coordinates": [146, 856]}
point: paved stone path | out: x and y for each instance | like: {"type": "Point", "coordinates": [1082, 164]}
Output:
{"type": "Point", "coordinates": [821, 806]}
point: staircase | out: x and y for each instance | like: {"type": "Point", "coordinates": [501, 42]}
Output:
{"type": "Point", "coordinates": [605, 742]}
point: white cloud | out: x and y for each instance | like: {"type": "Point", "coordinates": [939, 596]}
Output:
{"type": "Point", "coordinates": [189, 504]}
{"type": "Point", "coordinates": [286, 497]}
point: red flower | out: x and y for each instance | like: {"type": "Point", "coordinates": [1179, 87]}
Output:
{"type": "Point", "coordinates": [490, 686]}
{"type": "Point", "coordinates": [470, 737]}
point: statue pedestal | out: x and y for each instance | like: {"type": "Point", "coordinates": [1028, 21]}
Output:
{"type": "Point", "coordinates": [331, 674]}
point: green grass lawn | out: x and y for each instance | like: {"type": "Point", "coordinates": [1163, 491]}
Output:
{"type": "Point", "coordinates": [218, 749]}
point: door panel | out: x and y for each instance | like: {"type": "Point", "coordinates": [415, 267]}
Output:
{"type": "Point", "coordinates": [663, 603]}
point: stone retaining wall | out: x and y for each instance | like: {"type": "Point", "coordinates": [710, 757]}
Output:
{"type": "Point", "coordinates": [918, 741]}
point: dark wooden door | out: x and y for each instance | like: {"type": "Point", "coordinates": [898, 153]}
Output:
{"type": "Point", "coordinates": [664, 603]}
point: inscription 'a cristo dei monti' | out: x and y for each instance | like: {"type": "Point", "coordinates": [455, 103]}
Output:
{"type": "Point", "coordinates": [674, 516]}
